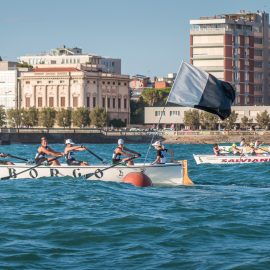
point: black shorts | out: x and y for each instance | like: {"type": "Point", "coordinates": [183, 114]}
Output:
{"type": "Point", "coordinates": [74, 162]}
{"type": "Point", "coordinates": [115, 161]}
{"type": "Point", "coordinates": [41, 161]}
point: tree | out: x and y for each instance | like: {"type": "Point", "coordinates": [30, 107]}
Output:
{"type": "Point", "coordinates": [230, 121]}
{"type": "Point", "coordinates": [244, 122]}
{"type": "Point", "coordinates": [14, 117]}
{"type": "Point", "coordinates": [263, 119]}
{"type": "Point", "coordinates": [192, 119]}
{"type": "Point", "coordinates": [117, 123]}
{"type": "Point", "coordinates": [80, 117]}
{"type": "Point", "coordinates": [2, 116]}
{"type": "Point", "coordinates": [64, 118]}
{"type": "Point", "coordinates": [155, 97]}
{"type": "Point", "coordinates": [137, 111]}
{"type": "Point", "coordinates": [30, 117]}
{"type": "Point", "coordinates": [208, 120]}
{"type": "Point", "coordinates": [47, 117]}
{"type": "Point", "coordinates": [99, 117]}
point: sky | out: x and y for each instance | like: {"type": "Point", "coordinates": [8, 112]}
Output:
{"type": "Point", "coordinates": [150, 36]}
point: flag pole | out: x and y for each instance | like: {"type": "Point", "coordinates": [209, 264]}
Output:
{"type": "Point", "coordinates": [154, 135]}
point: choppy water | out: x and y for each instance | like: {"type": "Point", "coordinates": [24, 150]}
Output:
{"type": "Point", "coordinates": [223, 222]}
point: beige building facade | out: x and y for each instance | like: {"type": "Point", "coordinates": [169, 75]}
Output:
{"type": "Point", "coordinates": [174, 116]}
{"type": "Point", "coordinates": [70, 87]}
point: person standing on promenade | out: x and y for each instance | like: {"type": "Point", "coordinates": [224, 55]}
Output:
{"type": "Point", "coordinates": [43, 153]}
{"type": "Point", "coordinates": [120, 150]}
{"type": "Point", "coordinates": [69, 153]}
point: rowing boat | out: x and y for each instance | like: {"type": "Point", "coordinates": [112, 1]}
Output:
{"type": "Point", "coordinates": [230, 159]}
{"type": "Point", "coordinates": [160, 174]}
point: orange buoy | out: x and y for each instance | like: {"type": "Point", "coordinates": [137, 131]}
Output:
{"type": "Point", "coordinates": [137, 179]}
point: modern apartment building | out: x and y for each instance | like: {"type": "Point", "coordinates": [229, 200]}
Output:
{"type": "Point", "coordinates": [73, 57]}
{"type": "Point", "coordinates": [63, 86]}
{"type": "Point", "coordinates": [235, 48]}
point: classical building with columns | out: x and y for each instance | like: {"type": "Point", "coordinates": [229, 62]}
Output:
{"type": "Point", "coordinates": [75, 86]}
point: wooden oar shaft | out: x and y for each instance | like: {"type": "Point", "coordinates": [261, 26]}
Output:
{"type": "Point", "coordinates": [95, 155]}
{"type": "Point", "coordinates": [19, 158]}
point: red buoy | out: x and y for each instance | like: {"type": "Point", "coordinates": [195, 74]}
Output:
{"type": "Point", "coordinates": [138, 179]}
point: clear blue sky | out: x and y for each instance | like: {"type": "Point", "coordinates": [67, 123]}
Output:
{"type": "Point", "coordinates": [150, 36]}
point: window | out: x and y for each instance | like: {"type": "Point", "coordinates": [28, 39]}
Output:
{"type": "Point", "coordinates": [258, 87]}
{"type": "Point", "coordinates": [88, 102]}
{"type": "Point", "coordinates": [103, 102]}
{"type": "Point", "coordinates": [125, 103]}
{"type": "Point", "coordinates": [108, 82]}
{"type": "Point", "coordinates": [94, 82]}
{"type": "Point", "coordinates": [51, 102]}
{"type": "Point", "coordinates": [38, 82]}
{"type": "Point", "coordinates": [75, 81]}
{"type": "Point", "coordinates": [108, 102]}
{"type": "Point", "coordinates": [258, 64]}
{"type": "Point", "coordinates": [39, 102]}
{"type": "Point", "coordinates": [62, 101]}
{"type": "Point", "coordinates": [62, 81]}
{"type": "Point", "coordinates": [27, 82]}
{"type": "Point", "coordinates": [113, 83]}
{"type": "Point", "coordinates": [119, 83]}
{"type": "Point", "coordinates": [119, 103]}
{"type": "Point", "coordinates": [27, 102]}
{"type": "Point", "coordinates": [75, 102]}
{"type": "Point", "coordinates": [103, 82]}
{"type": "Point", "coordinates": [113, 103]}
{"type": "Point", "coordinates": [50, 81]}
{"type": "Point", "coordinates": [94, 102]}
{"type": "Point", "coordinates": [125, 83]}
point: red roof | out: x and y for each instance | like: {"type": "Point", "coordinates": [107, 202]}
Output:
{"type": "Point", "coordinates": [55, 69]}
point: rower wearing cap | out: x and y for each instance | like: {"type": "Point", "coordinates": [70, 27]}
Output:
{"type": "Point", "coordinates": [44, 151]}
{"type": "Point", "coordinates": [161, 153]}
{"type": "Point", "coordinates": [235, 149]}
{"type": "Point", "coordinates": [252, 151]}
{"type": "Point", "coordinates": [69, 153]}
{"type": "Point", "coordinates": [119, 151]}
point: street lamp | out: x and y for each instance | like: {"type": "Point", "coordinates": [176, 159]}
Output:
{"type": "Point", "coordinates": [64, 122]}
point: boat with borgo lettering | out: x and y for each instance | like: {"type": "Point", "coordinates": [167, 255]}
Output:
{"type": "Point", "coordinates": [230, 159]}
{"type": "Point", "coordinates": [173, 174]}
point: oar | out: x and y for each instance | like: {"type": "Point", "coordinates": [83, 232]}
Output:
{"type": "Point", "coordinates": [19, 158]}
{"type": "Point", "coordinates": [29, 169]}
{"type": "Point", "coordinates": [98, 171]}
{"type": "Point", "coordinates": [263, 150]}
{"type": "Point", "coordinates": [132, 151]}
{"type": "Point", "coordinates": [95, 155]}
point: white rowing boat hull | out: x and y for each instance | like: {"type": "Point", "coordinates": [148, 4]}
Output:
{"type": "Point", "coordinates": [230, 159]}
{"type": "Point", "coordinates": [160, 174]}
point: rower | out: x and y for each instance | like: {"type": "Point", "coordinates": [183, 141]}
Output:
{"type": "Point", "coordinates": [252, 151]}
{"type": "Point", "coordinates": [243, 142]}
{"type": "Point", "coordinates": [2, 162]}
{"type": "Point", "coordinates": [161, 153]}
{"type": "Point", "coordinates": [119, 151]}
{"type": "Point", "coordinates": [44, 151]}
{"type": "Point", "coordinates": [235, 150]}
{"type": "Point", "coordinates": [216, 149]}
{"type": "Point", "coordinates": [69, 152]}
{"type": "Point", "coordinates": [257, 144]}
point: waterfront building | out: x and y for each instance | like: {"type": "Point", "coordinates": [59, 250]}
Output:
{"type": "Point", "coordinates": [235, 48]}
{"type": "Point", "coordinates": [66, 86]}
{"type": "Point", "coordinates": [174, 116]}
{"type": "Point", "coordinates": [73, 57]}
{"type": "Point", "coordinates": [8, 84]}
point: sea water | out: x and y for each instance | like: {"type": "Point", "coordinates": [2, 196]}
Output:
{"type": "Point", "coordinates": [223, 222]}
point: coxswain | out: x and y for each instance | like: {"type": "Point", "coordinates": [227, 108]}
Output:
{"type": "Point", "coordinates": [235, 150]}
{"type": "Point", "coordinates": [120, 150]}
{"type": "Point", "coordinates": [3, 162]}
{"type": "Point", "coordinates": [69, 153]}
{"type": "Point", "coordinates": [46, 155]}
{"type": "Point", "coordinates": [161, 153]}
{"type": "Point", "coordinates": [216, 150]}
